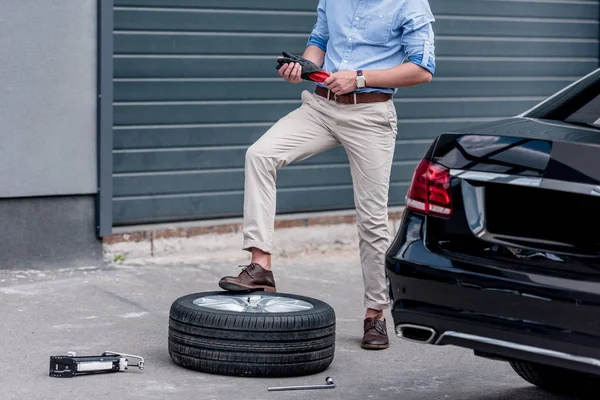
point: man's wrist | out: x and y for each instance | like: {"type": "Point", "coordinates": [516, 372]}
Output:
{"type": "Point", "coordinates": [314, 54]}
{"type": "Point", "coordinates": [371, 78]}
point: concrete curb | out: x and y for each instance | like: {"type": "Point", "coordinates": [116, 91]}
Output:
{"type": "Point", "coordinates": [295, 235]}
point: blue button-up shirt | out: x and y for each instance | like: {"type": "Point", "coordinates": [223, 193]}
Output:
{"type": "Point", "coordinates": [374, 34]}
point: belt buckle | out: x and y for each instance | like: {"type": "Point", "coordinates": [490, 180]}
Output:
{"type": "Point", "coordinates": [329, 92]}
{"type": "Point", "coordinates": [329, 95]}
{"type": "Point", "coordinates": [335, 97]}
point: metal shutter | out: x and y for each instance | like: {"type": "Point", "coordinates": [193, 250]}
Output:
{"type": "Point", "coordinates": [185, 111]}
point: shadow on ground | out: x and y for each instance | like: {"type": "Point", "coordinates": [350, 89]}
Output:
{"type": "Point", "coordinates": [528, 393]}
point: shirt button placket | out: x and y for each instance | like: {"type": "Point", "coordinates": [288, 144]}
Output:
{"type": "Point", "coordinates": [349, 45]}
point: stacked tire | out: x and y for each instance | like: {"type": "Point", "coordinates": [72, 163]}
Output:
{"type": "Point", "coordinates": [253, 334]}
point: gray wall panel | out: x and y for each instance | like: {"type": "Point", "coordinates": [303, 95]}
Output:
{"type": "Point", "coordinates": [207, 90]}
{"type": "Point", "coordinates": [585, 9]}
{"type": "Point", "coordinates": [228, 44]}
{"type": "Point", "coordinates": [212, 20]}
{"type": "Point", "coordinates": [268, 89]}
{"type": "Point", "coordinates": [246, 134]}
{"type": "Point", "coordinates": [483, 26]}
{"type": "Point", "coordinates": [48, 97]}
{"type": "Point", "coordinates": [186, 108]}
{"type": "Point", "coordinates": [233, 157]}
{"type": "Point", "coordinates": [264, 67]}
{"type": "Point", "coordinates": [263, 44]}
{"type": "Point", "coordinates": [215, 205]}
{"type": "Point", "coordinates": [268, 111]}
{"type": "Point", "coordinates": [285, 24]}
{"type": "Point", "coordinates": [468, 46]}
{"type": "Point", "coordinates": [284, 5]}
{"type": "Point", "coordinates": [232, 179]}
{"type": "Point", "coordinates": [188, 136]}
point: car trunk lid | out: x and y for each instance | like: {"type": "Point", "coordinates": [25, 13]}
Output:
{"type": "Point", "coordinates": [529, 202]}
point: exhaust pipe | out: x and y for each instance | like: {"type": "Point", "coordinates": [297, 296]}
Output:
{"type": "Point", "coordinates": [416, 333]}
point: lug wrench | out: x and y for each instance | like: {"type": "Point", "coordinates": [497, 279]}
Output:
{"type": "Point", "coordinates": [328, 385]}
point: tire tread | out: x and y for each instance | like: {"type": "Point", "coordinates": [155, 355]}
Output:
{"type": "Point", "coordinates": [556, 380]}
{"type": "Point", "coordinates": [247, 344]}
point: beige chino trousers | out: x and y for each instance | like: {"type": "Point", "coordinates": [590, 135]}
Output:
{"type": "Point", "coordinates": [367, 131]}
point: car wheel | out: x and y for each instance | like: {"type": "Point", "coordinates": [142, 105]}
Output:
{"type": "Point", "coordinates": [252, 334]}
{"type": "Point", "coordinates": [556, 380]}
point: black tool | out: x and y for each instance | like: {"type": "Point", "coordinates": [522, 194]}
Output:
{"type": "Point", "coordinates": [70, 365]}
{"type": "Point", "coordinates": [328, 385]}
{"type": "Point", "coordinates": [310, 71]}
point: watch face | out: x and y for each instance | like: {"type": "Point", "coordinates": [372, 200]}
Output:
{"type": "Point", "coordinates": [360, 81]}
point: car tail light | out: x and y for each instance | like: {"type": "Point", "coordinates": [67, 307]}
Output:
{"type": "Point", "coordinates": [429, 191]}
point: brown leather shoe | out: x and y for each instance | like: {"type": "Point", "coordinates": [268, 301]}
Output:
{"type": "Point", "coordinates": [375, 337]}
{"type": "Point", "coordinates": [252, 277]}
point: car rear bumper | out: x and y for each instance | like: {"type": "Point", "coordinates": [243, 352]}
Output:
{"type": "Point", "coordinates": [469, 305]}
{"type": "Point", "coordinates": [499, 342]}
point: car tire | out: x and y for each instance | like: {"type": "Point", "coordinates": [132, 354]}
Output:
{"type": "Point", "coordinates": [555, 379]}
{"type": "Point", "coordinates": [254, 334]}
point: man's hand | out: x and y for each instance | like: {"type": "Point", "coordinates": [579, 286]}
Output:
{"type": "Point", "coordinates": [341, 82]}
{"type": "Point", "coordinates": [291, 72]}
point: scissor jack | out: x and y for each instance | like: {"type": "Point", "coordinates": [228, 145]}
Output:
{"type": "Point", "coordinates": [70, 365]}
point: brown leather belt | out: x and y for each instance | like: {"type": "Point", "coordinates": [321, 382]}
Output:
{"type": "Point", "coordinates": [352, 98]}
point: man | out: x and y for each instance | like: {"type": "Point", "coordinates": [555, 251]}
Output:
{"type": "Point", "coordinates": [363, 44]}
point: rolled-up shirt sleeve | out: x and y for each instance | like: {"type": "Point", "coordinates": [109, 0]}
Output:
{"type": "Point", "coordinates": [418, 37]}
{"type": "Point", "coordinates": [320, 33]}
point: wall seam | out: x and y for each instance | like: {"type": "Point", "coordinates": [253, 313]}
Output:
{"type": "Point", "coordinates": [104, 204]}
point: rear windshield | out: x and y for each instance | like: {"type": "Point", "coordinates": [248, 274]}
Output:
{"type": "Point", "coordinates": [588, 114]}
{"type": "Point", "coordinates": [579, 104]}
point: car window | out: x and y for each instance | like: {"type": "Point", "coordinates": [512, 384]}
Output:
{"type": "Point", "coordinates": [588, 114]}
{"type": "Point", "coordinates": [576, 104]}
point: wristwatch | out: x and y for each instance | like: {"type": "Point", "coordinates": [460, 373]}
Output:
{"type": "Point", "coordinates": [361, 82]}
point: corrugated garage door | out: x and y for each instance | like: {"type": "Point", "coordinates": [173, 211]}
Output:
{"type": "Point", "coordinates": [195, 85]}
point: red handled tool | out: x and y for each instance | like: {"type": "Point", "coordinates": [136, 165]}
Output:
{"type": "Point", "coordinates": [310, 71]}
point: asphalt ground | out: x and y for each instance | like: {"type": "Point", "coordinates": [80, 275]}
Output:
{"type": "Point", "coordinates": [125, 308]}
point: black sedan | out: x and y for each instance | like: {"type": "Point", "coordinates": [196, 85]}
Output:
{"type": "Point", "coordinates": [499, 246]}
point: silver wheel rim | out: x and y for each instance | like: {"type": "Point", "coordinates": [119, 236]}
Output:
{"type": "Point", "coordinates": [253, 303]}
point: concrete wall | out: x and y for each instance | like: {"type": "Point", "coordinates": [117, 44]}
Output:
{"type": "Point", "coordinates": [48, 162]}
{"type": "Point", "coordinates": [50, 232]}
{"type": "Point", "coordinates": [47, 97]}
